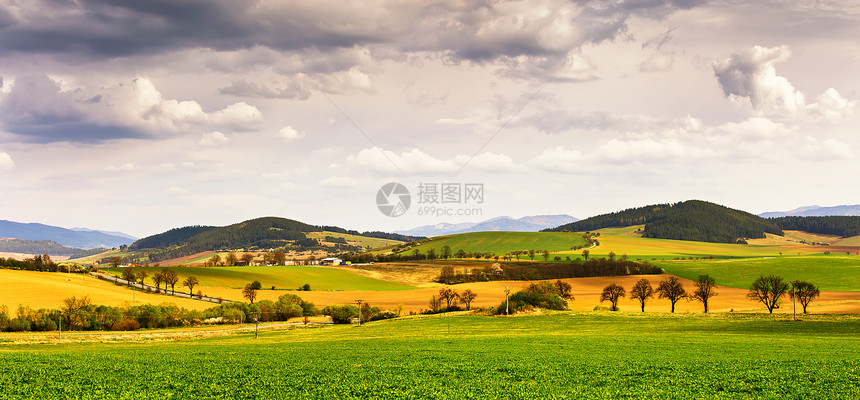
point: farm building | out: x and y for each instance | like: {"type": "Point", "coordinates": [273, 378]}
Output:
{"type": "Point", "coordinates": [331, 261]}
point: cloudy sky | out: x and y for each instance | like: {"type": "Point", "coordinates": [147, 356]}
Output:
{"type": "Point", "coordinates": [145, 116]}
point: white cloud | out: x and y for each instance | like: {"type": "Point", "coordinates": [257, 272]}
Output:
{"type": "Point", "coordinates": [829, 149]}
{"type": "Point", "coordinates": [213, 138]}
{"type": "Point", "coordinates": [751, 75]}
{"type": "Point", "coordinates": [490, 162]}
{"type": "Point", "coordinates": [340, 181]}
{"type": "Point", "coordinates": [412, 162]}
{"type": "Point", "coordinates": [831, 106]}
{"type": "Point", "coordinates": [289, 133]}
{"type": "Point", "coordinates": [657, 62]}
{"type": "Point", "coordinates": [561, 159]}
{"type": "Point", "coordinates": [6, 161]}
{"type": "Point", "coordinates": [122, 167]}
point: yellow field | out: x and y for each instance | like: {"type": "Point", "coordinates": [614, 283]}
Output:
{"type": "Point", "coordinates": [627, 241]}
{"type": "Point", "coordinates": [849, 241]}
{"type": "Point", "coordinates": [48, 290]}
{"type": "Point", "coordinates": [363, 241]}
{"type": "Point", "coordinates": [798, 236]}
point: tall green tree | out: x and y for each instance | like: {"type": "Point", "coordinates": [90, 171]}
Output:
{"type": "Point", "coordinates": [768, 290]}
{"type": "Point", "coordinates": [446, 252]}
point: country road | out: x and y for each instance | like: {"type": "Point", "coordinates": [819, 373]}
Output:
{"type": "Point", "coordinates": [152, 289]}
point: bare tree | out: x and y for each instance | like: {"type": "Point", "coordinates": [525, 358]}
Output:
{"type": "Point", "coordinates": [190, 283]}
{"type": "Point", "coordinates": [545, 254]}
{"type": "Point", "coordinates": [585, 254]}
{"type": "Point", "coordinates": [705, 289]}
{"type": "Point", "coordinates": [115, 261]}
{"type": "Point", "coordinates": [449, 295]}
{"type": "Point", "coordinates": [768, 290]}
{"type": "Point", "coordinates": [435, 304]}
{"type": "Point", "coordinates": [671, 288]}
{"type": "Point", "coordinates": [247, 257]}
{"type": "Point", "coordinates": [141, 277]}
{"type": "Point", "coordinates": [564, 289]}
{"type": "Point", "coordinates": [170, 278]}
{"type": "Point", "coordinates": [467, 296]}
{"type": "Point", "coordinates": [804, 292]}
{"type": "Point", "coordinates": [612, 293]}
{"type": "Point", "coordinates": [158, 277]}
{"type": "Point", "coordinates": [642, 291]}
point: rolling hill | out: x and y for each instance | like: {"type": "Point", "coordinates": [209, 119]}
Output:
{"type": "Point", "coordinates": [66, 237]}
{"type": "Point", "coordinates": [815, 211]}
{"type": "Point", "coordinates": [532, 223]}
{"type": "Point", "coordinates": [693, 220]}
{"type": "Point", "coordinates": [36, 247]}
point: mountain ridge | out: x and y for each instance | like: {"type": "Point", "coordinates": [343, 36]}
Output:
{"type": "Point", "coordinates": [63, 236]}
{"type": "Point", "coordinates": [815, 211]}
{"type": "Point", "coordinates": [531, 223]}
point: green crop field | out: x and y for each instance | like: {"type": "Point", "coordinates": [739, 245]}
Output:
{"type": "Point", "coordinates": [502, 242]}
{"type": "Point", "coordinates": [282, 277]}
{"type": "Point", "coordinates": [363, 241]}
{"type": "Point", "coordinates": [828, 272]}
{"type": "Point", "coordinates": [594, 355]}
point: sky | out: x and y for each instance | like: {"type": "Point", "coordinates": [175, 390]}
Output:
{"type": "Point", "coordinates": [145, 116]}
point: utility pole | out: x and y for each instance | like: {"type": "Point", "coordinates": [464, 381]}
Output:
{"type": "Point", "coordinates": [507, 292]}
{"type": "Point", "coordinates": [794, 300]}
{"type": "Point", "coordinates": [256, 325]}
{"type": "Point", "coordinates": [359, 311]}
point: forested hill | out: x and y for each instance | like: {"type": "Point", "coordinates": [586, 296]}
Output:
{"type": "Point", "coordinates": [690, 220]}
{"type": "Point", "coordinates": [844, 226]}
{"type": "Point", "coordinates": [173, 237]}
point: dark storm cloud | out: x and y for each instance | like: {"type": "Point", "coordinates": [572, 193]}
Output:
{"type": "Point", "coordinates": [114, 28]}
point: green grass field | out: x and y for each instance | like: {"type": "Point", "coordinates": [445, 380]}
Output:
{"type": "Point", "coordinates": [828, 272]}
{"type": "Point", "coordinates": [594, 355]}
{"type": "Point", "coordinates": [363, 241]}
{"type": "Point", "coordinates": [502, 242]}
{"type": "Point", "coordinates": [282, 277]}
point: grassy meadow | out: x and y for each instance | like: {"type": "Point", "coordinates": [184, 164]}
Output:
{"type": "Point", "coordinates": [833, 272]}
{"type": "Point", "coordinates": [503, 242]}
{"type": "Point", "coordinates": [281, 277]}
{"type": "Point", "coordinates": [560, 355]}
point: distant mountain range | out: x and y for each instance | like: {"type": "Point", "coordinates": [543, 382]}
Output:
{"type": "Point", "coordinates": [815, 211]}
{"type": "Point", "coordinates": [81, 238]}
{"type": "Point", "coordinates": [532, 223]}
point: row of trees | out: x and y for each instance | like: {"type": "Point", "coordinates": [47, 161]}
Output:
{"type": "Point", "coordinates": [670, 288]}
{"type": "Point", "coordinates": [769, 290]}
{"type": "Point", "coordinates": [166, 276]}
{"type": "Point", "coordinates": [451, 299]}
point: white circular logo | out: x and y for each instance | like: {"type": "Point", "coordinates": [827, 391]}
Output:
{"type": "Point", "coordinates": [393, 199]}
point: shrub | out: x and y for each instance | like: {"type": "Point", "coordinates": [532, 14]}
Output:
{"type": "Point", "coordinates": [341, 314]}
{"type": "Point", "coordinates": [126, 325]}
{"type": "Point", "coordinates": [19, 325]}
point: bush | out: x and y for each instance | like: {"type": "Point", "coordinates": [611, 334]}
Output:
{"type": "Point", "coordinates": [19, 325]}
{"type": "Point", "coordinates": [537, 295]}
{"type": "Point", "coordinates": [126, 325]}
{"type": "Point", "coordinates": [341, 314]}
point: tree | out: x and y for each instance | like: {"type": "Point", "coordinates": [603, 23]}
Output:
{"type": "Point", "coordinates": [170, 278]}
{"type": "Point", "coordinates": [190, 283]}
{"type": "Point", "coordinates": [158, 277]}
{"type": "Point", "coordinates": [247, 258]}
{"type": "Point", "coordinates": [564, 289]}
{"type": "Point", "coordinates": [642, 291]}
{"type": "Point", "coordinates": [671, 288]}
{"type": "Point", "coordinates": [612, 293]}
{"type": "Point", "coordinates": [611, 256]}
{"type": "Point", "coordinates": [446, 252]}
{"type": "Point", "coordinates": [705, 289]}
{"type": "Point", "coordinates": [128, 275]}
{"type": "Point", "coordinates": [461, 253]}
{"type": "Point", "coordinates": [115, 261]}
{"type": "Point", "coordinates": [256, 285]}
{"type": "Point", "coordinates": [435, 304]}
{"type": "Point", "coordinates": [280, 258]}
{"type": "Point", "coordinates": [431, 254]}
{"type": "Point", "coordinates": [449, 295]}
{"type": "Point", "coordinates": [231, 259]}
{"type": "Point", "coordinates": [768, 290]}
{"type": "Point", "coordinates": [72, 307]}
{"type": "Point", "coordinates": [214, 260]}
{"type": "Point", "coordinates": [545, 255]}
{"type": "Point", "coordinates": [249, 293]}
{"type": "Point", "coordinates": [141, 277]}
{"type": "Point", "coordinates": [532, 254]}
{"type": "Point", "coordinates": [467, 296]}
{"type": "Point", "coordinates": [585, 254]}
{"type": "Point", "coordinates": [804, 292]}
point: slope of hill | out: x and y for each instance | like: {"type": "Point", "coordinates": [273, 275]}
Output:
{"type": "Point", "coordinates": [35, 247]}
{"type": "Point", "coordinates": [173, 237]}
{"type": "Point", "coordinates": [844, 226]}
{"type": "Point", "coordinates": [532, 223]}
{"type": "Point", "coordinates": [815, 211]}
{"type": "Point", "coordinates": [694, 220]}
{"type": "Point", "coordinates": [63, 236]}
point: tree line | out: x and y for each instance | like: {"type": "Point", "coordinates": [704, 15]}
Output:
{"type": "Point", "coordinates": [532, 272]}
{"type": "Point", "coordinates": [838, 225]}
